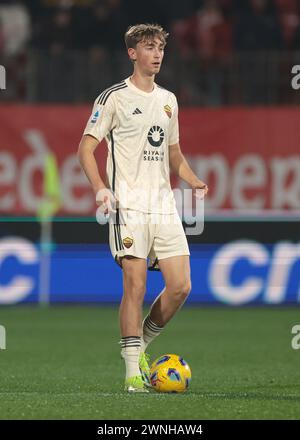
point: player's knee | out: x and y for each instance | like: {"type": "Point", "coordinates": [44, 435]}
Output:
{"type": "Point", "coordinates": [186, 289]}
{"type": "Point", "coordinates": [182, 290]}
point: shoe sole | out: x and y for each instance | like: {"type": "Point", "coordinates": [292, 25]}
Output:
{"type": "Point", "coordinates": [136, 390]}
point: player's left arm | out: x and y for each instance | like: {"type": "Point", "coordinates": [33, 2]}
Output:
{"type": "Point", "coordinates": [180, 166]}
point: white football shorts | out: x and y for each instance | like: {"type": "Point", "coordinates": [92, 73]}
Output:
{"type": "Point", "coordinates": [143, 235]}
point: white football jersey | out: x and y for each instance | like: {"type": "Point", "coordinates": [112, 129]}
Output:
{"type": "Point", "coordinates": [138, 128]}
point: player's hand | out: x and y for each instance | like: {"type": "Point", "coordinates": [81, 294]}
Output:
{"type": "Point", "coordinates": [106, 201]}
{"type": "Point", "coordinates": [201, 189]}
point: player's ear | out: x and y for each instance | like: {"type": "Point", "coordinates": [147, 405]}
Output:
{"type": "Point", "coordinates": [132, 54]}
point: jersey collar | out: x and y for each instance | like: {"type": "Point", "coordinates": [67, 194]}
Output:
{"type": "Point", "coordinates": [137, 90]}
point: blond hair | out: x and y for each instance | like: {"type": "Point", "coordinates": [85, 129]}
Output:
{"type": "Point", "coordinates": [141, 32]}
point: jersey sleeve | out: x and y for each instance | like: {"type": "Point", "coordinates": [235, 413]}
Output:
{"type": "Point", "coordinates": [174, 127]}
{"type": "Point", "coordinates": [101, 119]}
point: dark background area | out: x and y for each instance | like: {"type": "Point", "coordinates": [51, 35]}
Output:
{"type": "Point", "coordinates": [80, 232]}
{"type": "Point", "coordinates": [224, 52]}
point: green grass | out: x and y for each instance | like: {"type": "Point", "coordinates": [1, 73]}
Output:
{"type": "Point", "coordinates": [64, 363]}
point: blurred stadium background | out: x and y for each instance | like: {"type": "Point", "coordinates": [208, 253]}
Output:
{"type": "Point", "coordinates": [230, 64]}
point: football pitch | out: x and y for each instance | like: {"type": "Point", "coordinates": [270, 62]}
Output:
{"type": "Point", "coordinates": [63, 362]}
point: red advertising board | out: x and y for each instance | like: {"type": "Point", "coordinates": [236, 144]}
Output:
{"type": "Point", "coordinates": [249, 157]}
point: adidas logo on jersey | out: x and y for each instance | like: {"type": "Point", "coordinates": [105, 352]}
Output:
{"type": "Point", "coordinates": [137, 111]}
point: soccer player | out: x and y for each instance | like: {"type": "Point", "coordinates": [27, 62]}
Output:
{"type": "Point", "coordinates": [139, 121]}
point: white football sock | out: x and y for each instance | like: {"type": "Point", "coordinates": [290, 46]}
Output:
{"type": "Point", "coordinates": [130, 352]}
{"type": "Point", "coordinates": [150, 331]}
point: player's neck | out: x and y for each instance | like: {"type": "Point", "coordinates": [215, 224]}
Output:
{"type": "Point", "coordinates": [145, 83]}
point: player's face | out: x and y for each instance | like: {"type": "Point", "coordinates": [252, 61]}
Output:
{"type": "Point", "coordinates": [149, 55]}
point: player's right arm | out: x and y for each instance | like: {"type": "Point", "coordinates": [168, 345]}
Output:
{"type": "Point", "coordinates": [86, 150]}
{"type": "Point", "coordinates": [98, 126]}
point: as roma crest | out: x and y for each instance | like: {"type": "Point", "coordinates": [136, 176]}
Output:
{"type": "Point", "coordinates": [168, 110]}
{"type": "Point", "coordinates": [127, 242]}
